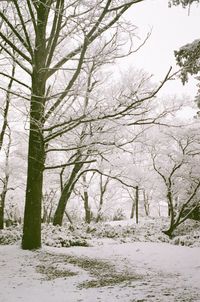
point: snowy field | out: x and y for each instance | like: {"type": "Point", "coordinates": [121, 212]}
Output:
{"type": "Point", "coordinates": [139, 271]}
{"type": "Point", "coordinates": [121, 261]}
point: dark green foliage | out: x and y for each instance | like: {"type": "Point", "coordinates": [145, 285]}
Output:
{"type": "Point", "coordinates": [187, 58]}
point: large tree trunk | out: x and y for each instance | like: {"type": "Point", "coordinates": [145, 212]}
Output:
{"type": "Point", "coordinates": [36, 152]}
{"type": "Point", "coordinates": [32, 215]}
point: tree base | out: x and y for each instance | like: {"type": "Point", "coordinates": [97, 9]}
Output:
{"type": "Point", "coordinates": [168, 233]}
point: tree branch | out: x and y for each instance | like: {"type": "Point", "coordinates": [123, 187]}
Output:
{"type": "Point", "coordinates": [15, 80]}
{"type": "Point", "coordinates": [69, 164]}
{"type": "Point", "coordinates": [14, 59]}
{"type": "Point", "coordinates": [15, 48]}
{"type": "Point", "coordinates": [23, 26]}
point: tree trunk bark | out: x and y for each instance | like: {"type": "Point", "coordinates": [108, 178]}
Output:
{"type": "Point", "coordinates": [1, 214]}
{"type": "Point", "coordinates": [169, 232]}
{"type": "Point", "coordinates": [68, 217]}
{"type": "Point", "coordinates": [85, 198]}
{"type": "Point", "coordinates": [32, 215]}
{"type": "Point", "coordinates": [146, 203]}
{"type": "Point", "coordinates": [172, 225]}
{"type": "Point", "coordinates": [87, 208]}
{"type": "Point", "coordinates": [99, 212]}
{"type": "Point", "coordinates": [169, 211]}
{"type": "Point", "coordinates": [65, 195]}
{"type": "Point", "coordinates": [36, 151]}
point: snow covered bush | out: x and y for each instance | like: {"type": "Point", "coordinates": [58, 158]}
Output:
{"type": "Point", "coordinates": [10, 235]}
{"type": "Point", "coordinates": [64, 236]}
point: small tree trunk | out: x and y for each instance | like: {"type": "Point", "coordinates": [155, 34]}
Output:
{"type": "Point", "coordinates": [132, 209]}
{"type": "Point", "coordinates": [172, 225]}
{"type": "Point", "coordinates": [85, 198]}
{"type": "Point", "coordinates": [136, 204]}
{"type": "Point", "coordinates": [159, 210]}
{"type": "Point", "coordinates": [68, 217]}
{"type": "Point", "coordinates": [6, 108]}
{"type": "Point", "coordinates": [169, 210]}
{"type": "Point", "coordinates": [44, 216]}
{"type": "Point", "coordinates": [5, 181]}
{"type": "Point", "coordinates": [3, 195]}
{"type": "Point", "coordinates": [103, 188]}
{"type": "Point", "coordinates": [49, 215]}
{"type": "Point", "coordinates": [87, 208]}
{"type": "Point", "coordinates": [1, 215]}
{"type": "Point", "coordinates": [65, 195]}
{"type": "Point", "coordinates": [146, 203]}
{"type": "Point", "coordinates": [100, 207]}
{"type": "Point", "coordinates": [99, 213]}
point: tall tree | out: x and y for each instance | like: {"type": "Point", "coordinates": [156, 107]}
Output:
{"type": "Point", "coordinates": [55, 38]}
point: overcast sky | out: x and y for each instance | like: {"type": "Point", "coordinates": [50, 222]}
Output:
{"type": "Point", "coordinates": [171, 29]}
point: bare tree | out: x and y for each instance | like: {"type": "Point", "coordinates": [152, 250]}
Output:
{"type": "Point", "coordinates": [180, 177]}
{"type": "Point", "coordinates": [103, 184]}
{"type": "Point", "coordinates": [52, 51]}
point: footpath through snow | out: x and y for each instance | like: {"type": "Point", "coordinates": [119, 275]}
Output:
{"type": "Point", "coordinates": [139, 271]}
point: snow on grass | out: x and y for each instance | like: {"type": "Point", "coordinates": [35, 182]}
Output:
{"type": "Point", "coordinates": [138, 271]}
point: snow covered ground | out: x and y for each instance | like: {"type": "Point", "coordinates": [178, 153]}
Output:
{"type": "Point", "coordinates": [136, 271]}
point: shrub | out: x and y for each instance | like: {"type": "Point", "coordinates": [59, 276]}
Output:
{"type": "Point", "coordinates": [119, 215]}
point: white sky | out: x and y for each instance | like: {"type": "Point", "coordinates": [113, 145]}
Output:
{"type": "Point", "coordinates": [171, 29]}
